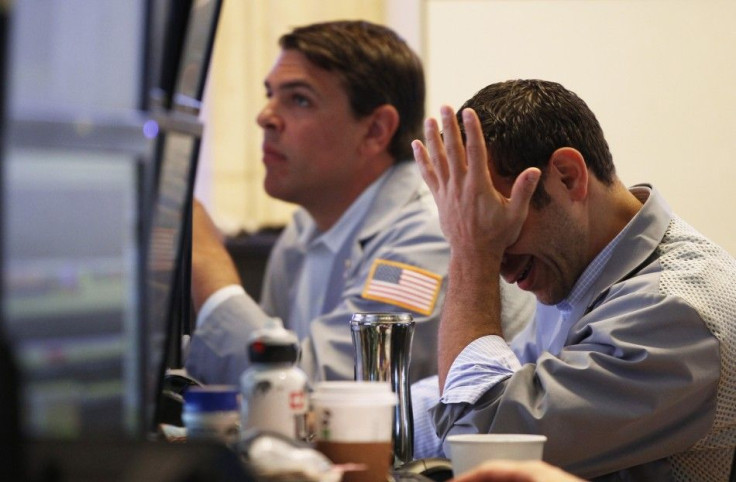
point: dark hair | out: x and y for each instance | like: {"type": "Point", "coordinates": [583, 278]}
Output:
{"type": "Point", "coordinates": [376, 66]}
{"type": "Point", "coordinates": [525, 121]}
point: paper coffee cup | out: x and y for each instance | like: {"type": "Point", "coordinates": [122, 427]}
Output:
{"type": "Point", "coordinates": [353, 423]}
{"type": "Point", "coordinates": [467, 451]}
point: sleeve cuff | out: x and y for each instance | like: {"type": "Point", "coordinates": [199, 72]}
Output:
{"type": "Point", "coordinates": [216, 299]}
{"type": "Point", "coordinates": [481, 365]}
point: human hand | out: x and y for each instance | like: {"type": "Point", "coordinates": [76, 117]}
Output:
{"type": "Point", "coordinates": [475, 217]}
{"type": "Point", "coordinates": [517, 471]}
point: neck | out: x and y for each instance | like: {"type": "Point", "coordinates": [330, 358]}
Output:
{"type": "Point", "coordinates": [613, 209]}
{"type": "Point", "coordinates": [328, 208]}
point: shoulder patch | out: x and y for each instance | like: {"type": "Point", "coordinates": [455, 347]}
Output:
{"type": "Point", "coordinates": [402, 285]}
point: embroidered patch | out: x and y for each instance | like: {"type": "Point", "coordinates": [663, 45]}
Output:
{"type": "Point", "coordinates": [402, 285]}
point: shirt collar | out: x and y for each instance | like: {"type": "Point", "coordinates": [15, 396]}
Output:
{"type": "Point", "coordinates": [335, 237]}
{"type": "Point", "coordinates": [594, 269]}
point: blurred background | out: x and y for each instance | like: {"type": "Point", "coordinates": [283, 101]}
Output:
{"type": "Point", "coordinates": [80, 154]}
{"type": "Point", "coordinates": [657, 73]}
{"type": "Point", "coordinates": [98, 166]}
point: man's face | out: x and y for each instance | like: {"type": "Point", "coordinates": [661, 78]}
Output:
{"type": "Point", "coordinates": [311, 138]}
{"type": "Point", "coordinates": [550, 253]}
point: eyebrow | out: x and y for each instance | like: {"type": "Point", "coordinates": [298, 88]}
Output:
{"type": "Point", "coordinates": [290, 85]}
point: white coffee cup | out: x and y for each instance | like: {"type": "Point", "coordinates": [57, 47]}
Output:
{"type": "Point", "coordinates": [468, 451]}
{"type": "Point", "coordinates": [353, 423]}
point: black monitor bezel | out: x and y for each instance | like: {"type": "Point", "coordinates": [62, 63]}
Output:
{"type": "Point", "coordinates": [180, 119]}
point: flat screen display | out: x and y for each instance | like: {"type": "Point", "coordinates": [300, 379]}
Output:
{"type": "Point", "coordinates": [71, 299]}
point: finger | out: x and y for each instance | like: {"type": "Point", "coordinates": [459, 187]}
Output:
{"type": "Point", "coordinates": [475, 145]}
{"type": "Point", "coordinates": [421, 156]}
{"type": "Point", "coordinates": [436, 149]}
{"type": "Point", "coordinates": [453, 143]}
{"type": "Point", "coordinates": [523, 190]}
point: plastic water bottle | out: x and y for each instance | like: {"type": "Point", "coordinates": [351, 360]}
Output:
{"type": "Point", "coordinates": [274, 389]}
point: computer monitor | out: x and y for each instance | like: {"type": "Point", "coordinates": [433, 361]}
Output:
{"type": "Point", "coordinates": [168, 261]}
{"type": "Point", "coordinates": [11, 456]}
{"type": "Point", "coordinates": [169, 248]}
{"type": "Point", "coordinates": [72, 300]}
{"type": "Point", "coordinates": [74, 153]}
{"type": "Point", "coordinates": [94, 262]}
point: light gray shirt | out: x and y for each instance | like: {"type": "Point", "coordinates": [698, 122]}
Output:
{"type": "Point", "coordinates": [644, 384]}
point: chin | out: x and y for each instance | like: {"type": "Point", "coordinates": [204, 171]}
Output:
{"type": "Point", "coordinates": [273, 189]}
{"type": "Point", "coordinates": [549, 298]}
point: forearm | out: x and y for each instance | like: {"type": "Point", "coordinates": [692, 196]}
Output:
{"type": "Point", "coordinates": [212, 266]}
{"type": "Point", "coordinates": [472, 307]}
{"type": "Point", "coordinates": [212, 269]}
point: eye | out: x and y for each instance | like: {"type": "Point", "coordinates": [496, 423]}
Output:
{"type": "Point", "coordinates": [301, 100]}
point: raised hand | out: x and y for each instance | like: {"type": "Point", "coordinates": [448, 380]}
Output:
{"type": "Point", "coordinates": [475, 216]}
{"type": "Point", "coordinates": [479, 223]}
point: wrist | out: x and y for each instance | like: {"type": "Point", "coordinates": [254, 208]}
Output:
{"type": "Point", "coordinates": [474, 266]}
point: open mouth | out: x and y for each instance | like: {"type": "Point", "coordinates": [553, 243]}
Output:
{"type": "Point", "coordinates": [524, 274]}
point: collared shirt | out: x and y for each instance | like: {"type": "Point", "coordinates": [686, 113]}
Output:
{"type": "Point", "coordinates": [320, 249]}
{"type": "Point", "coordinates": [401, 226]}
{"type": "Point", "coordinates": [490, 359]}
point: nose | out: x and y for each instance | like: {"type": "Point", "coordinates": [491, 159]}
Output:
{"type": "Point", "coordinates": [268, 118]}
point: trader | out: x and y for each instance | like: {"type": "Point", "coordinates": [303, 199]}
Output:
{"type": "Point", "coordinates": [344, 101]}
{"type": "Point", "coordinates": [628, 366]}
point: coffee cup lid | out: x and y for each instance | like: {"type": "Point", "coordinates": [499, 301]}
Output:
{"type": "Point", "coordinates": [352, 386]}
{"type": "Point", "coordinates": [354, 393]}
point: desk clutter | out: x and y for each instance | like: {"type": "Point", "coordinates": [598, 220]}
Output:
{"type": "Point", "coordinates": [345, 436]}
{"type": "Point", "coordinates": [283, 429]}
{"type": "Point", "coordinates": [268, 456]}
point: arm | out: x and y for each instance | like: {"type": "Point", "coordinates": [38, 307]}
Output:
{"type": "Point", "coordinates": [479, 224]}
{"type": "Point", "coordinates": [629, 395]}
{"type": "Point", "coordinates": [212, 266]}
{"type": "Point", "coordinates": [217, 352]}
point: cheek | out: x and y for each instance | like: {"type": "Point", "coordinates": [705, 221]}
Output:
{"type": "Point", "coordinates": [526, 242]}
{"type": "Point", "coordinates": [322, 139]}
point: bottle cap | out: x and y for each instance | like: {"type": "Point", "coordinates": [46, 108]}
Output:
{"type": "Point", "coordinates": [212, 398]}
{"type": "Point", "coordinates": [272, 343]}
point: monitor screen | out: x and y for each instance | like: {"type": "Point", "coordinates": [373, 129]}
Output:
{"type": "Point", "coordinates": [94, 254]}
{"type": "Point", "coordinates": [71, 288]}
{"type": "Point", "coordinates": [196, 53]}
{"type": "Point", "coordinates": [167, 259]}
{"type": "Point", "coordinates": [73, 157]}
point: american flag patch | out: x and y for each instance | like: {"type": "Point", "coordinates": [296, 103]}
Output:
{"type": "Point", "coordinates": [402, 285]}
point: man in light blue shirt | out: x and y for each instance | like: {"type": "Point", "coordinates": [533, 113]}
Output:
{"type": "Point", "coordinates": [629, 365]}
{"type": "Point", "coordinates": [344, 100]}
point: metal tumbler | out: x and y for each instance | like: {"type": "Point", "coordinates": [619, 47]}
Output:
{"type": "Point", "coordinates": [382, 344]}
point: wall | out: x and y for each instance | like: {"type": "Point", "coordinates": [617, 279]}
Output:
{"type": "Point", "coordinates": [659, 74]}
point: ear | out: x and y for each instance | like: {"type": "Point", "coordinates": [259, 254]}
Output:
{"type": "Point", "coordinates": [382, 125]}
{"type": "Point", "coordinates": [570, 167]}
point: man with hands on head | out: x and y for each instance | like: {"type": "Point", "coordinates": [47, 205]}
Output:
{"type": "Point", "coordinates": [628, 365]}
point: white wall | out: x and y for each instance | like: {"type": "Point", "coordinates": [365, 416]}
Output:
{"type": "Point", "coordinates": [659, 74]}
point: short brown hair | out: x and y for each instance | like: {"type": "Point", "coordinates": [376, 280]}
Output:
{"type": "Point", "coordinates": [377, 67]}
